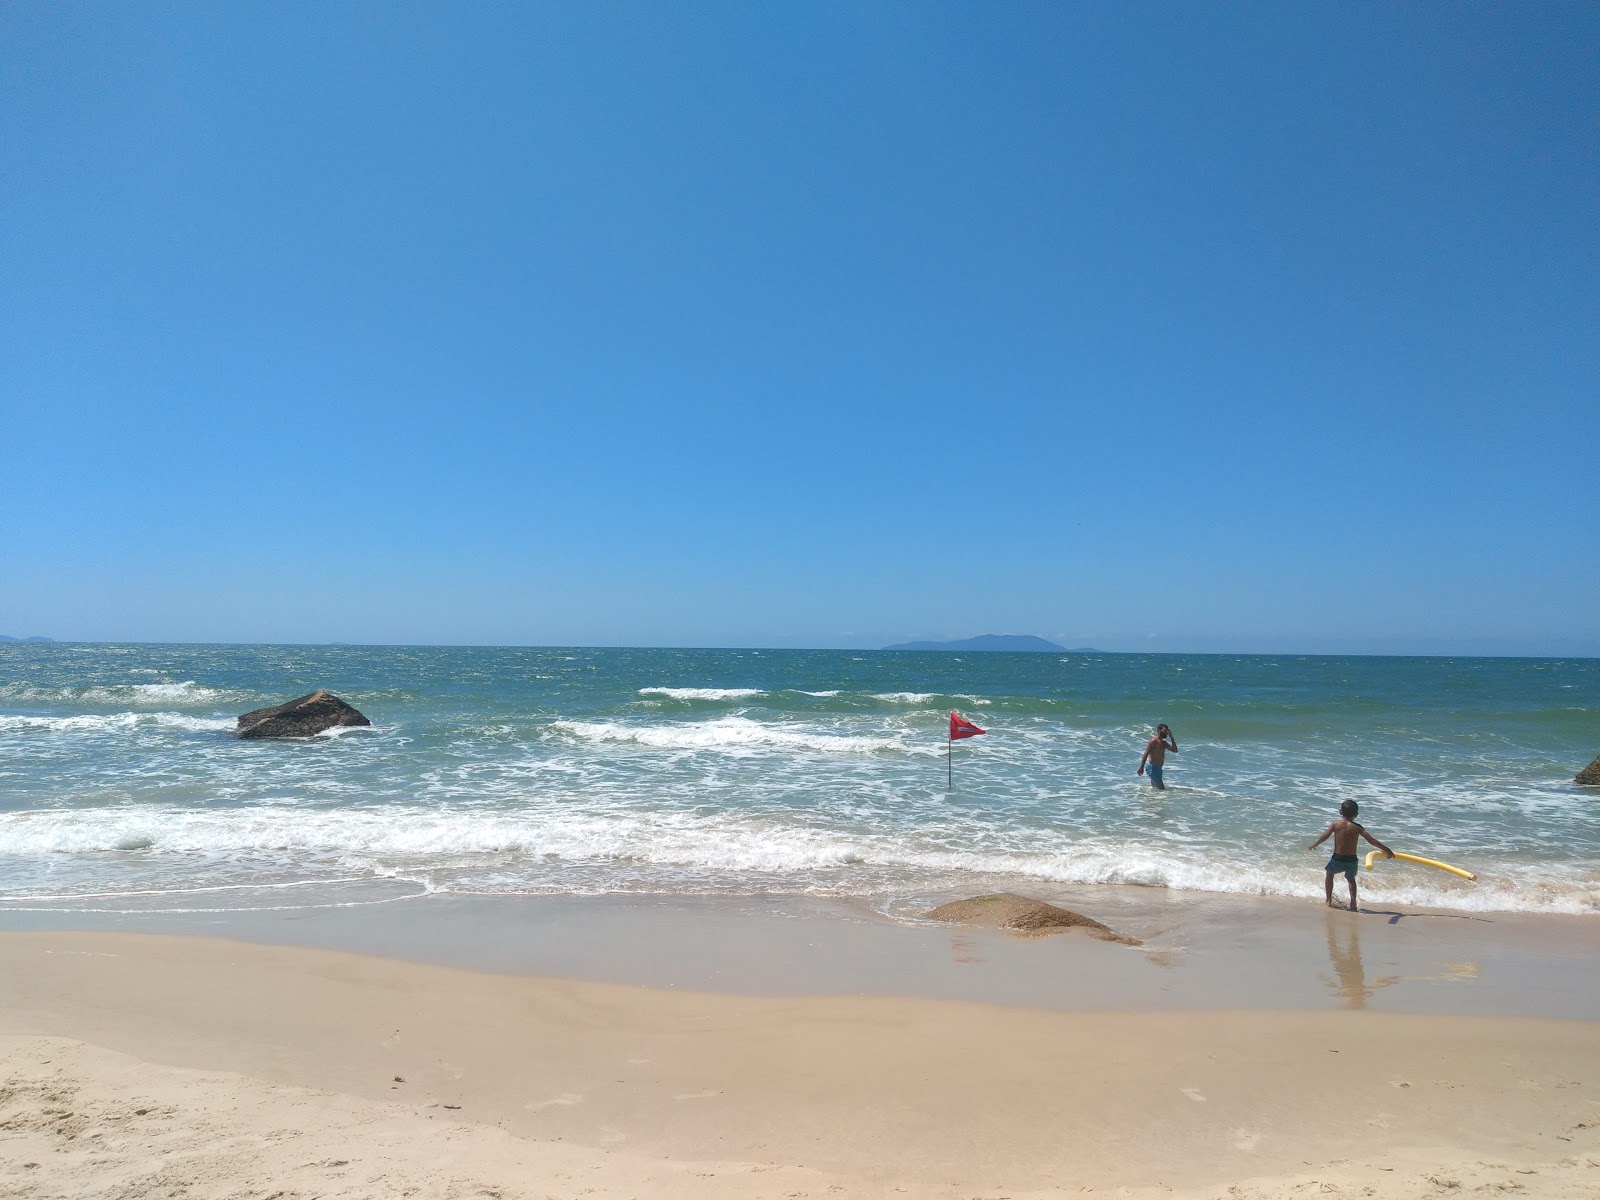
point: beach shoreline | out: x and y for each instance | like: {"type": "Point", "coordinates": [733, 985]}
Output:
{"type": "Point", "coordinates": [161, 1064]}
{"type": "Point", "coordinates": [1194, 951]}
{"type": "Point", "coordinates": [594, 927]}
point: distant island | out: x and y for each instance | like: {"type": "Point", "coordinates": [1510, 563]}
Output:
{"type": "Point", "coordinates": [6, 637]}
{"type": "Point", "coordinates": [996, 641]}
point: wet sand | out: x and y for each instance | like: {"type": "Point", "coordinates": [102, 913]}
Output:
{"type": "Point", "coordinates": [157, 1065]}
{"type": "Point", "coordinates": [566, 1046]}
{"type": "Point", "coordinates": [1198, 951]}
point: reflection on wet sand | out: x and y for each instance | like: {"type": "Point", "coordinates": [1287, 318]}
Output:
{"type": "Point", "coordinates": [1352, 985]}
{"type": "Point", "coordinates": [1344, 952]}
{"type": "Point", "coordinates": [964, 948]}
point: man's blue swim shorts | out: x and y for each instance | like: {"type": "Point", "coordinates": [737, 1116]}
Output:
{"type": "Point", "coordinates": [1154, 771]}
{"type": "Point", "coordinates": [1343, 862]}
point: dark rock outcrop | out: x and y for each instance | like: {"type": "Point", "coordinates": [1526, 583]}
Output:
{"type": "Point", "coordinates": [1590, 775]}
{"type": "Point", "coordinates": [1022, 915]}
{"type": "Point", "coordinates": [306, 716]}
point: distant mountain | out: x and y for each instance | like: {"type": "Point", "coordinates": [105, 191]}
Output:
{"type": "Point", "coordinates": [6, 637]}
{"type": "Point", "coordinates": [987, 641]}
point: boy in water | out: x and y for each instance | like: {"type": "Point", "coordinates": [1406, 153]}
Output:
{"type": "Point", "coordinates": [1347, 837]}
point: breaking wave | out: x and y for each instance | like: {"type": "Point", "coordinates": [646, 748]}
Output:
{"type": "Point", "coordinates": [928, 697]}
{"type": "Point", "coordinates": [735, 734]}
{"type": "Point", "coordinates": [113, 723]}
{"type": "Point", "coordinates": [136, 694]}
{"type": "Point", "coordinates": [479, 851]}
{"type": "Point", "coordinates": [684, 693]}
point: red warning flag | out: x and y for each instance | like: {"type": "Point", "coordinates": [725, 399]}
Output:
{"type": "Point", "coordinates": [960, 728]}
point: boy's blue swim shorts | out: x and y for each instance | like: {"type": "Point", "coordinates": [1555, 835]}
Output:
{"type": "Point", "coordinates": [1343, 862]}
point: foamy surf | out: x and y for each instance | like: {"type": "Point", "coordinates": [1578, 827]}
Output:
{"type": "Point", "coordinates": [733, 734]}
{"type": "Point", "coordinates": [690, 693]}
{"type": "Point", "coordinates": [187, 692]}
{"type": "Point", "coordinates": [814, 773]}
{"type": "Point", "coordinates": [114, 723]}
{"type": "Point", "coordinates": [687, 852]}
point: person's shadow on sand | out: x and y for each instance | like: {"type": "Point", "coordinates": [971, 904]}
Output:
{"type": "Point", "coordinates": [1394, 917]}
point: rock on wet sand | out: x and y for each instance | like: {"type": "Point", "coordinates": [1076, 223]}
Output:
{"type": "Point", "coordinates": [1019, 914]}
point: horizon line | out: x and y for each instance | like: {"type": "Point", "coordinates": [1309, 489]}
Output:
{"type": "Point", "coordinates": [36, 640]}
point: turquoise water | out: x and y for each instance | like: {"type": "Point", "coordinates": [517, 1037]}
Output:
{"type": "Point", "coordinates": [780, 772]}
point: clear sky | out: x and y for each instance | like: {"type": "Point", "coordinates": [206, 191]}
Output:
{"type": "Point", "coordinates": [1168, 326]}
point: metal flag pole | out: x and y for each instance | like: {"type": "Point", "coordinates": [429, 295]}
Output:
{"type": "Point", "coordinates": [960, 727]}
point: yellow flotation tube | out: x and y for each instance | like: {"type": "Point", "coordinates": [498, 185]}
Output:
{"type": "Point", "coordinates": [1422, 862]}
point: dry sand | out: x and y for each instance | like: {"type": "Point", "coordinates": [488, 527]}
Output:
{"type": "Point", "coordinates": [191, 1067]}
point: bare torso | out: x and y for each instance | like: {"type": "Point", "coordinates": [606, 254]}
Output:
{"type": "Point", "coordinates": [1346, 836]}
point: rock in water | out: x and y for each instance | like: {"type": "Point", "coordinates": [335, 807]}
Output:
{"type": "Point", "coordinates": [1022, 915]}
{"type": "Point", "coordinates": [305, 717]}
{"type": "Point", "coordinates": [1589, 775]}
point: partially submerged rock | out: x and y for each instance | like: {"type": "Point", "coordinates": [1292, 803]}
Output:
{"type": "Point", "coordinates": [1021, 915]}
{"type": "Point", "coordinates": [1589, 775]}
{"type": "Point", "coordinates": [306, 716]}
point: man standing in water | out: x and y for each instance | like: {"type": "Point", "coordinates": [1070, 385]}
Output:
{"type": "Point", "coordinates": [1155, 756]}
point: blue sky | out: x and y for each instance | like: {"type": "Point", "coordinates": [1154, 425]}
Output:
{"type": "Point", "coordinates": [1247, 326]}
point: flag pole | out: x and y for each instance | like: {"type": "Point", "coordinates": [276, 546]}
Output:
{"type": "Point", "coordinates": [959, 727]}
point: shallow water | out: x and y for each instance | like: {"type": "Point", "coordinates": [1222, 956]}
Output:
{"type": "Point", "coordinates": [585, 771]}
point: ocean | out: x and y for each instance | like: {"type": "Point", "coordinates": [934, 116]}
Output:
{"type": "Point", "coordinates": [781, 773]}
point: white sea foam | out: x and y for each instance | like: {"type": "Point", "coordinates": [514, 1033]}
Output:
{"type": "Point", "coordinates": [191, 890]}
{"type": "Point", "coordinates": [717, 852]}
{"type": "Point", "coordinates": [193, 724]}
{"type": "Point", "coordinates": [702, 693]}
{"type": "Point", "coordinates": [820, 695]}
{"type": "Point", "coordinates": [186, 692]}
{"type": "Point", "coordinates": [336, 731]}
{"type": "Point", "coordinates": [79, 724]}
{"type": "Point", "coordinates": [926, 697]}
{"type": "Point", "coordinates": [730, 734]}
{"type": "Point", "coordinates": [113, 722]}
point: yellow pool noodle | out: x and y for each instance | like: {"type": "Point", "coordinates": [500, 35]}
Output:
{"type": "Point", "coordinates": [1422, 862]}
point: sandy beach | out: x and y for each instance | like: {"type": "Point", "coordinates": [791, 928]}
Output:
{"type": "Point", "coordinates": [154, 1064]}
{"type": "Point", "coordinates": [582, 583]}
